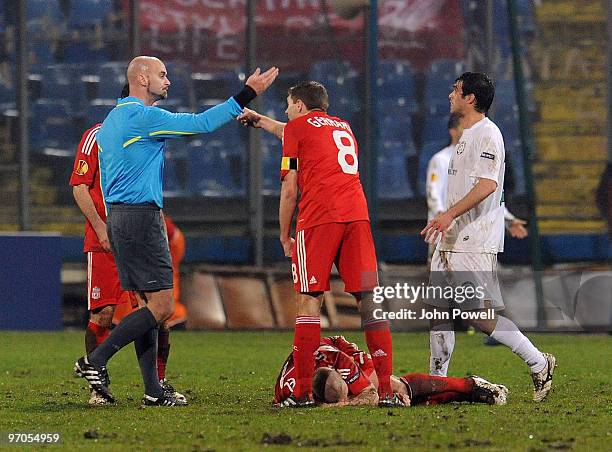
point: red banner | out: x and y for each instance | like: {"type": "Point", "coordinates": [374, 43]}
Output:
{"type": "Point", "coordinates": [293, 33]}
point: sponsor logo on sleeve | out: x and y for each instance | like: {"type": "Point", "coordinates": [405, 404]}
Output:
{"type": "Point", "coordinates": [487, 155]}
{"type": "Point", "coordinates": [82, 168]}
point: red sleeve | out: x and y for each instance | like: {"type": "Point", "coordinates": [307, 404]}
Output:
{"type": "Point", "coordinates": [291, 134]}
{"type": "Point", "coordinates": [351, 373]}
{"type": "Point", "coordinates": [86, 159]}
{"type": "Point", "coordinates": [170, 226]}
{"type": "Point", "coordinates": [362, 358]}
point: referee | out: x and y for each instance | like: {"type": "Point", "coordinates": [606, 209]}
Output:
{"type": "Point", "coordinates": [131, 150]}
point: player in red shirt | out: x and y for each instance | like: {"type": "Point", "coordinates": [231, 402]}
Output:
{"type": "Point", "coordinates": [320, 161]}
{"type": "Point", "coordinates": [345, 376]}
{"type": "Point", "coordinates": [104, 292]}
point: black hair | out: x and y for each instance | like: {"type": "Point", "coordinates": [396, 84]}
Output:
{"type": "Point", "coordinates": [313, 94]}
{"type": "Point", "coordinates": [125, 92]}
{"type": "Point", "coordinates": [481, 86]}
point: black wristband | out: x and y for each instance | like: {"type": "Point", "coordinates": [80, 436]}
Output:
{"type": "Point", "coordinates": [245, 96]}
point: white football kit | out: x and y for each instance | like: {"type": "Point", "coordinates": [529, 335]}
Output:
{"type": "Point", "coordinates": [468, 253]}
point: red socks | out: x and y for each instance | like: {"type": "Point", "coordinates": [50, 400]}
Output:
{"type": "Point", "coordinates": [94, 336]}
{"type": "Point", "coordinates": [380, 344]}
{"type": "Point", "coordinates": [434, 390]}
{"type": "Point", "coordinates": [163, 351]}
{"type": "Point", "coordinates": [305, 343]}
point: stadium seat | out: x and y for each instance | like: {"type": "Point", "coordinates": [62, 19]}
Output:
{"type": "Point", "coordinates": [52, 128]}
{"type": "Point", "coordinates": [218, 86]}
{"type": "Point", "coordinates": [213, 171]}
{"type": "Point", "coordinates": [271, 156]}
{"type": "Point", "coordinates": [39, 9]}
{"type": "Point", "coordinates": [181, 84]}
{"type": "Point", "coordinates": [341, 83]}
{"type": "Point", "coordinates": [396, 130]}
{"type": "Point", "coordinates": [173, 187]}
{"type": "Point", "coordinates": [396, 80]}
{"type": "Point", "coordinates": [62, 82]}
{"type": "Point", "coordinates": [439, 82]}
{"type": "Point", "coordinates": [82, 51]}
{"type": "Point", "coordinates": [98, 109]}
{"type": "Point", "coordinates": [111, 80]}
{"type": "Point", "coordinates": [87, 13]}
{"type": "Point", "coordinates": [392, 180]}
{"type": "Point", "coordinates": [435, 129]}
{"type": "Point", "coordinates": [203, 302]}
{"type": "Point", "coordinates": [246, 302]}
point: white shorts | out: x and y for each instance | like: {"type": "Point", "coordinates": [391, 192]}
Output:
{"type": "Point", "coordinates": [465, 280]}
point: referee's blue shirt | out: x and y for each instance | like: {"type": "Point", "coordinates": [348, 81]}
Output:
{"type": "Point", "coordinates": [131, 146]}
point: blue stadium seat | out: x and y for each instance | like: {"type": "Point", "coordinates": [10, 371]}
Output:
{"type": "Point", "coordinates": [396, 131]}
{"type": "Point", "coordinates": [213, 171]}
{"type": "Point", "coordinates": [52, 127]}
{"type": "Point", "coordinates": [81, 51]}
{"type": "Point", "coordinates": [271, 156]}
{"type": "Point", "coordinates": [181, 84]}
{"type": "Point", "coordinates": [396, 80]}
{"type": "Point", "coordinates": [435, 129]}
{"type": "Point", "coordinates": [392, 176]}
{"type": "Point", "coordinates": [439, 82]}
{"type": "Point", "coordinates": [38, 9]}
{"type": "Point", "coordinates": [98, 109]}
{"type": "Point", "coordinates": [62, 82]}
{"type": "Point", "coordinates": [173, 185]}
{"type": "Point", "coordinates": [87, 13]}
{"type": "Point", "coordinates": [112, 78]}
{"type": "Point", "coordinates": [341, 83]}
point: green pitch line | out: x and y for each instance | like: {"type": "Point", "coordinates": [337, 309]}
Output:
{"type": "Point", "coordinates": [228, 378]}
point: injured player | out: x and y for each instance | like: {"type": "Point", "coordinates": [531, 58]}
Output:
{"type": "Point", "coordinates": [345, 376]}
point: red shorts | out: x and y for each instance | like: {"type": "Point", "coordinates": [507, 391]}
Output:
{"type": "Point", "coordinates": [103, 286]}
{"type": "Point", "coordinates": [348, 245]}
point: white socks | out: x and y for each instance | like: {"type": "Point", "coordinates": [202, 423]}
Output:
{"type": "Point", "coordinates": [508, 334]}
{"type": "Point", "coordinates": [441, 345]}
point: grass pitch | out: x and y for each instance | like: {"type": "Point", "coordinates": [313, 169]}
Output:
{"type": "Point", "coordinates": [228, 378]}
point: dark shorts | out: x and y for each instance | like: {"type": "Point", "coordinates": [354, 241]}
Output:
{"type": "Point", "coordinates": [138, 242]}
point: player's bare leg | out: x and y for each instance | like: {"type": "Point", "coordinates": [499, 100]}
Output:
{"type": "Point", "coordinates": [542, 365]}
{"type": "Point", "coordinates": [441, 345]}
{"type": "Point", "coordinates": [380, 344]}
{"type": "Point", "coordinates": [306, 340]}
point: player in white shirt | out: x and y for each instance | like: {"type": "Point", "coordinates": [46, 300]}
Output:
{"type": "Point", "coordinates": [472, 233]}
{"type": "Point", "coordinates": [436, 182]}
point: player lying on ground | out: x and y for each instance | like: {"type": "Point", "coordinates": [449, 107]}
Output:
{"type": "Point", "coordinates": [345, 376]}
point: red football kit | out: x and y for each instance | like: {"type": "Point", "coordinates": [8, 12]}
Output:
{"type": "Point", "coordinates": [333, 223]}
{"type": "Point", "coordinates": [355, 367]}
{"type": "Point", "coordinates": [336, 352]}
{"type": "Point", "coordinates": [103, 286]}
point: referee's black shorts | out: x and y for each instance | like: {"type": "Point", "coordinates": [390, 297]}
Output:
{"type": "Point", "coordinates": [139, 245]}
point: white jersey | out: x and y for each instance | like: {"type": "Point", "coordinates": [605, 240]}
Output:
{"type": "Point", "coordinates": [479, 154]}
{"type": "Point", "coordinates": [437, 178]}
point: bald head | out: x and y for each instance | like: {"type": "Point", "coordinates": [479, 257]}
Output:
{"type": "Point", "coordinates": [148, 79]}
{"type": "Point", "coordinates": [142, 65]}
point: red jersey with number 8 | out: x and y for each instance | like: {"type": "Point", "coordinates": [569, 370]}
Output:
{"type": "Point", "coordinates": [324, 152]}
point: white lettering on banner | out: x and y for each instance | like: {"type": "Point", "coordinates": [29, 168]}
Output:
{"type": "Point", "coordinates": [227, 48]}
